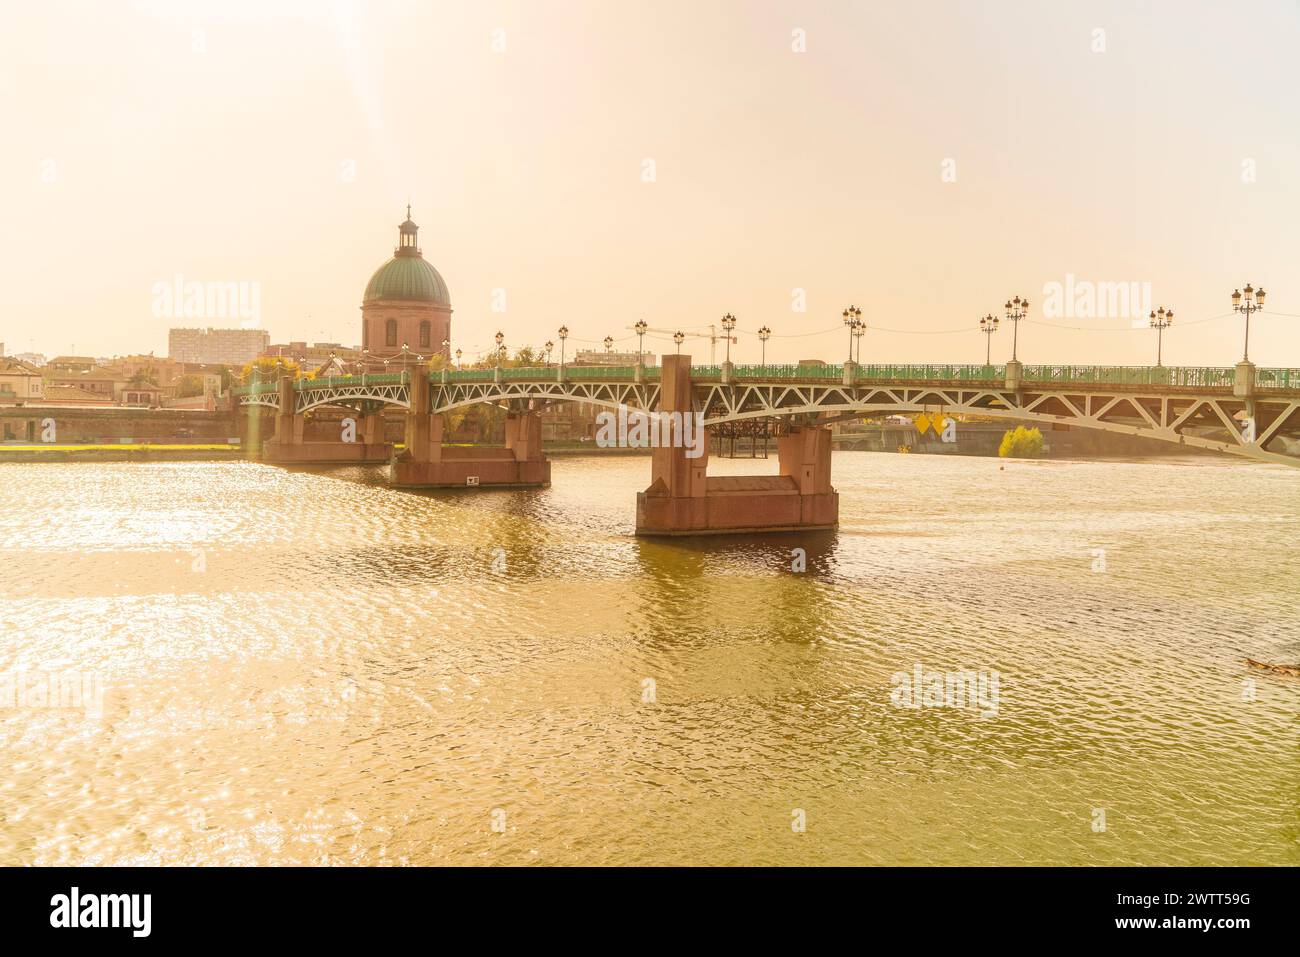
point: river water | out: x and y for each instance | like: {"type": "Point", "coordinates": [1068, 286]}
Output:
{"type": "Point", "coordinates": [286, 667]}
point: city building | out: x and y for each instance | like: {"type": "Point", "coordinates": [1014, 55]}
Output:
{"type": "Point", "coordinates": [406, 303]}
{"type": "Point", "coordinates": [105, 384]}
{"type": "Point", "coordinates": [315, 354]}
{"type": "Point", "coordinates": [71, 364]}
{"type": "Point", "coordinates": [233, 347]}
{"type": "Point", "coordinates": [19, 382]}
{"type": "Point", "coordinates": [599, 357]}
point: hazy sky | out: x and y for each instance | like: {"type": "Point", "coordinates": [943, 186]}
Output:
{"type": "Point", "coordinates": [278, 142]}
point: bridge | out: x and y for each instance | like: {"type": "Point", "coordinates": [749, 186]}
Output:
{"type": "Point", "coordinates": [1243, 410]}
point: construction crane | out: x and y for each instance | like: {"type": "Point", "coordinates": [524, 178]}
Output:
{"type": "Point", "coordinates": [712, 335]}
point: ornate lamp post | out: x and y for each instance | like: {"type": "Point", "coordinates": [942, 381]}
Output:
{"type": "Point", "coordinates": [764, 333]}
{"type": "Point", "coordinates": [500, 350]}
{"type": "Point", "coordinates": [852, 319]}
{"type": "Point", "coordinates": [728, 325]}
{"type": "Point", "coordinates": [678, 338]}
{"type": "Point", "coordinates": [1160, 321]}
{"type": "Point", "coordinates": [988, 326]}
{"type": "Point", "coordinates": [1254, 302]}
{"type": "Point", "coordinates": [1016, 310]}
{"type": "Point", "coordinates": [609, 342]}
{"type": "Point", "coordinates": [457, 358]}
{"type": "Point", "coordinates": [860, 330]}
{"type": "Point", "coordinates": [640, 327]}
{"type": "Point", "coordinates": [563, 334]}
{"type": "Point", "coordinates": [549, 346]}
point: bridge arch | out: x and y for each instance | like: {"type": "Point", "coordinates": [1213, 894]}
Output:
{"type": "Point", "coordinates": [922, 403]}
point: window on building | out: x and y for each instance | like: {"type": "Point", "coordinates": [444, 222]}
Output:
{"type": "Point", "coordinates": [424, 334]}
{"type": "Point", "coordinates": [390, 332]}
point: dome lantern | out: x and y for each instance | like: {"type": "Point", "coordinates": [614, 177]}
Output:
{"type": "Point", "coordinates": [407, 237]}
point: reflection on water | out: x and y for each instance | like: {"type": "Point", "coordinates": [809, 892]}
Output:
{"type": "Point", "coordinates": [312, 668]}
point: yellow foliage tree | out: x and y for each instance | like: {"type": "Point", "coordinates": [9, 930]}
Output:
{"type": "Point", "coordinates": [1021, 443]}
{"type": "Point", "coordinates": [269, 369]}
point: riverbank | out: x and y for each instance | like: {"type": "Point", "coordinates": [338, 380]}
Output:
{"type": "Point", "coordinates": [134, 452]}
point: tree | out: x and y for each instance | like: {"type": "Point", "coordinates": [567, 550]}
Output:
{"type": "Point", "coordinates": [269, 369]}
{"type": "Point", "coordinates": [143, 377]}
{"type": "Point", "coordinates": [189, 385]}
{"type": "Point", "coordinates": [1021, 443]}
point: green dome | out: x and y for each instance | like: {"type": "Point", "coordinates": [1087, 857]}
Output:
{"type": "Point", "coordinates": [408, 277]}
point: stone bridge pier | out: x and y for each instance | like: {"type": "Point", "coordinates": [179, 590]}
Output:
{"type": "Point", "coordinates": [684, 500]}
{"type": "Point", "coordinates": [360, 444]}
{"type": "Point", "coordinates": [427, 463]}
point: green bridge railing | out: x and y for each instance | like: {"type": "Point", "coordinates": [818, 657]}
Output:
{"type": "Point", "coordinates": [1168, 376]}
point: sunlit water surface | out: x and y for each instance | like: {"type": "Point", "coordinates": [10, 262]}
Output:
{"type": "Point", "coordinates": [312, 668]}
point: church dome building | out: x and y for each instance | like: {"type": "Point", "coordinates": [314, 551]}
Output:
{"type": "Point", "coordinates": [406, 302]}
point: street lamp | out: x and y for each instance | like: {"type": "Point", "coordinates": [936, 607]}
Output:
{"type": "Point", "coordinates": [763, 334]}
{"type": "Point", "coordinates": [1254, 303]}
{"type": "Point", "coordinates": [609, 341]}
{"type": "Point", "coordinates": [564, 334]}
{"type": "Point", "coordinates": [549, 346]}
{"type": "Point", "coordinates": [1017, 309]}
{"type": "Point", "coordinates": [679, 338]}
{"type": "Point", "coordinates": [860, 330]}
{"type": "Point", "coordinates": [728, 324]}
{"type": "Point", "coordinates": [852, 319]}
{"type": "Point", "coordinates": [640, 327]}
{"type": "Point", "coordinates": [988, 326]}
{"type": "Point", "coordinates": [500, 337]}
{"type": "Point", "coordinates": [1160, 321]}
{"type": "Point", "coordinates": [457, 358]}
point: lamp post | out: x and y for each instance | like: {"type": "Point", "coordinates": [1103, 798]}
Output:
{"type": "Point", "coordinates": [501, 338]}
{"type": "Point", "coordinates": [1254, 302]}
{"type": "Point", "coordinates": [640, 327]}
{"type": "Point", "coordinates": [988, 326]}
{"type": "Point", "coordinates": [852, 319]}
{"type": "Point", "coordinates": [728, 325]}
{"type": "Point", "coordinates": [1160, 321]}
{"type": "Point", "coordinates": [678, 338]}
{"type": "Point", "coordinates": [563, 334]}
{"type": "Point", "coordinates": [860, 330]}
{"type": "Point", "coordinates": [609, 342]}
{"type": "Point", "coordinates": [457, 358]}
{"type": "Point", "coordinates": [763, 334]}
{"type": "Point", "coordinates": [1016, 310]}
{"type": "Point", "coordinates": [549, 346]}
